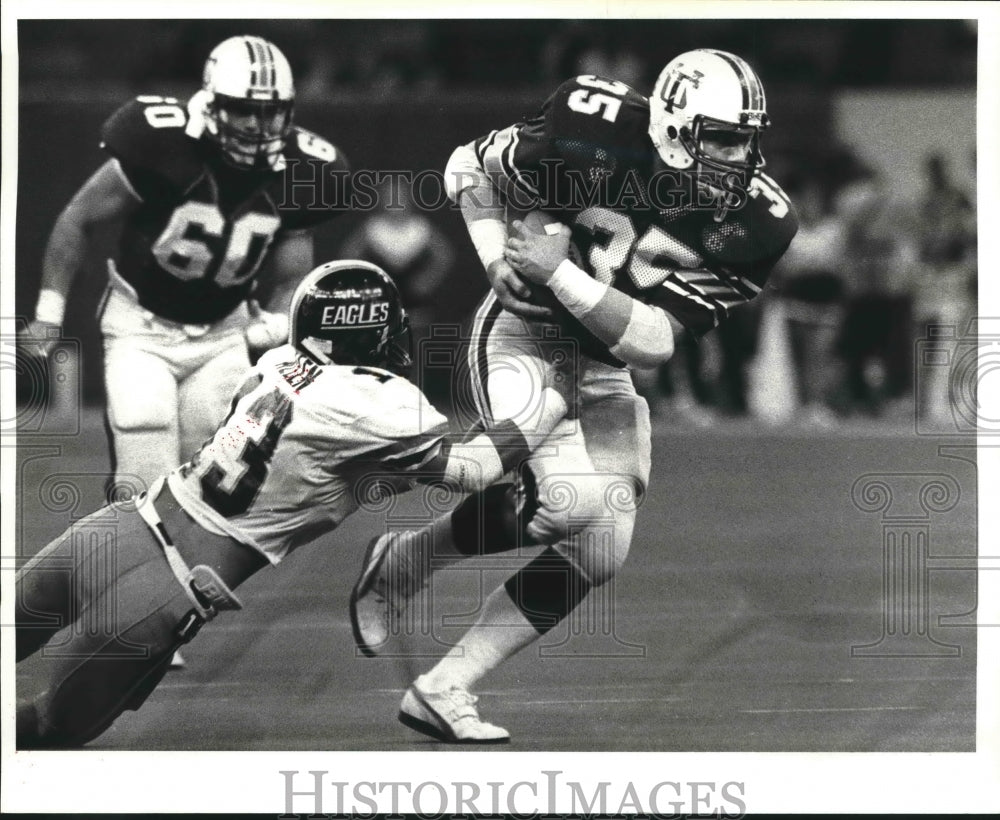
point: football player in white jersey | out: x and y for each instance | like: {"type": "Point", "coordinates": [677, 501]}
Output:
{"type": "Point", "coordinates": [659, 222]}
{"type": "Point", "coordinates": [196, 187]}
{"type": "Point", "coordinates": [317, 426]}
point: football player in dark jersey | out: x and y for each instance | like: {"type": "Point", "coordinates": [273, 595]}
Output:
{"type": "Point", "coordinates": [649, 218]}
{"type": "Point", "coordinates": [200, 189]}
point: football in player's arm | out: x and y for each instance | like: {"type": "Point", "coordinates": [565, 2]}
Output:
{"type": "Point", "coordinates": [638, 219]}
{"type": "Point", "coordinates": [200, 189]}
{"type": "Point", "coordinates": [316, 427]}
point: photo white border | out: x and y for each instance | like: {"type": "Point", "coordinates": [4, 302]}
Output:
{"type": "Point", "coordinates": [249, 782]}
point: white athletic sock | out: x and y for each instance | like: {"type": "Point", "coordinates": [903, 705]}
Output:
{"type": "Point", "coordinates": [500, 632]}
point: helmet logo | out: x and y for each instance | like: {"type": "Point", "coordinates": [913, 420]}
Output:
{"type": "Point", "coordinates": [674, 93]}
{"type": "Point", "coordinates": [356, 315]}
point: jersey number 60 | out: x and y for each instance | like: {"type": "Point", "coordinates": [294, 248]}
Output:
{"type": "Point", "coordinates": [196, 244]}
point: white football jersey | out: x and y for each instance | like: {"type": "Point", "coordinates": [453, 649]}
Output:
{"type": "Point", "coordinates": [301, 446]}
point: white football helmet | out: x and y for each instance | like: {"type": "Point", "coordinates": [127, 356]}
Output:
{"type": "Point", "coordinates": [248, 94]}
{"type": "Point", "coordinates": [708, 107]}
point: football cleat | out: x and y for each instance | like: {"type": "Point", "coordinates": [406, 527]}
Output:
{"type": "Point", "coordinates": [381, 594]}
{"type": "Point", "coordinates": [370, 607]}
{"type": "Point", "coordinates": [450, 716]}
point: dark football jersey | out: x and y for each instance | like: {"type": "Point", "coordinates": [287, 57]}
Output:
{"type": "Point", "coordinates": [587, 160]}
{"type": "Point", "coordinates": [193, 248]}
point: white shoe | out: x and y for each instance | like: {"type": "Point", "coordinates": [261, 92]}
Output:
{"type": "Point", "coordinates": [177, 661]}
{"type": "Point", "coordinates": [379, 596]}
{"type": "Point", "coordinates": [450, 715]}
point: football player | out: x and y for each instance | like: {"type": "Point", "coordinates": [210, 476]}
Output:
{"type": "Point", "coordinates": [317, 427]}
{"type": "Point", "coordinates": [201, 189]}
{"type": "Point", "coordinates": [661, 222]}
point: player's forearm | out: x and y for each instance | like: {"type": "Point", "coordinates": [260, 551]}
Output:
{"type": "Point", "coordinates": [636, 333]}
{"type": "Point", "coordinates": [64, 256]}
{"type": "Point", "coordinates": [472, 463]}
{"type": "Point", "coordinates": [481, 204]}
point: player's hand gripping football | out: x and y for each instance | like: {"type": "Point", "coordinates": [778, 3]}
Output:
{"type": "Point", "coordinates": [513, 292]}
{"type": "Point", "coordinates": [536, 255]}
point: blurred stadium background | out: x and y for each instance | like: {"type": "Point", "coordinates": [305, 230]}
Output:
{"type": "Point", "coordinates": [754, 570]}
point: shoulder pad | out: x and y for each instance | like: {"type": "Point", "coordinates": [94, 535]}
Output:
{"type": "Point", "coordinates": [306, 145]}
{"type": "Point", "coordinates": [596, 109]}
{"type": "Point", "coordinates": [758, 232]}
{"type": "Point", "coordinates": [148, 135]}
{"type": "Point", "coordinates": [310, 196]}
{"type": "Point", "coordinates": [403, 412]}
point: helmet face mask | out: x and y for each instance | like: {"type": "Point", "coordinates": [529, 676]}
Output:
{"type": "Point", "coordinates": [723, 146]}
{"type": "Point", "coordinates": [249, 95]}
{"type": "Point", "coordinates": [349, 313]}
{"type": "Point", "coordinates": [707, 112]}
{"type": "Point", "coordinates": [250, 132]}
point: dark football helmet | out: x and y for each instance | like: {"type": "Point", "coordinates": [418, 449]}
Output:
{"type": "Point", "coordinates": [349, 312]}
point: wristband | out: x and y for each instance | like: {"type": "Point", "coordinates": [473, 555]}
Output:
{"type": "Point", "coordinates": [489, 236]}
{"type": "Point", "coordinates": [51, 306]}
{"type": "Point", "coordinates": [578, 292]}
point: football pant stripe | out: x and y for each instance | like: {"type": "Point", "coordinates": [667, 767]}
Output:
{"type": "Point", "coordinates": [479, 365]}
{"type": "Point", "coordinates": [473, 357]}
{"type": "Point", "coordinates": [479, 370]}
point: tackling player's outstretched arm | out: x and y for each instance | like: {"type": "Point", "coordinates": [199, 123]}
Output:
{"type": "Point", "coordinates": [640, 335]}
{"type": "Point", "coordinates": [484, 211]}
{"type": "Point", "coordinates": [106, 196]}
{"type": "Point", "coordinates": [473, 461]}
{"type": "Point", "coordinates": [419, 443]}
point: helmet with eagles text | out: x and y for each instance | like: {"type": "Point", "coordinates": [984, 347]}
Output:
{"type": "Point", "coordinates": [350, 312]}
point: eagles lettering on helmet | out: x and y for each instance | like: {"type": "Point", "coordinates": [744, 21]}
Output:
{"type": "Point", "coordinates": [247, 95]}
{"type": "Point", "coordinates": [372, 313]}
{"type": "Point", "coordinates": [349, 312]}
{"type": "Point", "coordinates": [707, 110]}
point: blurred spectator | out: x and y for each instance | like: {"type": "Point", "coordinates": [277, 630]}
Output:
{"type": "Point", "coordinates": [386, 59]}
{"type": "Point", "coordinates": [877, 336]}
{"type": "Point", "coordinates": [946, 287]}
{"type": "Point", "coordinates": [811, 284]}
{"type": "Point", "coordinates": [588, 47]}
